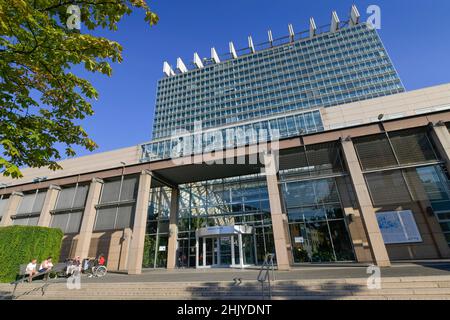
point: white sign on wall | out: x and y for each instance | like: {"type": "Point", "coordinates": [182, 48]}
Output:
{"type": "Point", "coordinates": [162, 248]}
{"type": "Point", "coordinates": [398, 227]}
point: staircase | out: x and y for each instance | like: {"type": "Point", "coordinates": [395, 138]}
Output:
{"type": "Point", "coordinates": [432, 287]}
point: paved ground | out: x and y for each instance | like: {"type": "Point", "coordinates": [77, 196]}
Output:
{"type": "Point", "coordinates": [298, 273]}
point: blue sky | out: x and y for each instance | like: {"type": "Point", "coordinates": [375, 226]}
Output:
{"type": "Point", "coordinates": [415, 32]}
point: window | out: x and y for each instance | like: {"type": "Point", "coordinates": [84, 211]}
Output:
{"type": "Point", "coordinates": [69, 208]}
{"type": "Point", "coordinates": [374, 152]}
{"type": "Point", "coordinates": [30, 208]}
{"type": "Point", "coordinates": [403, 147]}
{"type": "Point", "coordinates": [412, 146]}
{"type": "Point", "coordinates": [388, 188]}
{"type": "Point", "coordinates": [117, 204]}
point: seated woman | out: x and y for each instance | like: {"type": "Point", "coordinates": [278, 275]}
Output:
{"type": "Point", "coordinates": [46, 265]}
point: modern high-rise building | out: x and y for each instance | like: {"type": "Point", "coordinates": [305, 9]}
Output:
{"type": "Point", "coordinates": [360, 174]}
{"type": "Point", "coordinates": [280, 84]}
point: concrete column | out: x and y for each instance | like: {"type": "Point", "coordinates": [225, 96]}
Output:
{"type": "Point", "coordinates": [279, 219]}
{"type": "Point", "coordinates": [377, 246]}
{"type": "Point", "coordinates": [173, 230]}
{"type": "Point", "coordinates": [441, 138]}
{"type": "Point", "coordinates": [87, 224]}
{"type": "Point", "coordinates": [49, 204]}
{"type": "Point", "coordinates": [136, 252]}
{"type": "Point", "coordinates": [11, 208]}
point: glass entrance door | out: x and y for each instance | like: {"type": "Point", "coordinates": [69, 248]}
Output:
{"type": "Point", "coordinates": [224, 253]}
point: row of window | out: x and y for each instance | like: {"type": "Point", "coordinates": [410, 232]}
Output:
{"type": "Point", "coordinates": [274, 129]}
{"type": "Point", "coordinates": [271, 105]}
{"type": "Point", "coordinates": [301, 47]}
{"type": "Point", "coordinates": [169, 114]}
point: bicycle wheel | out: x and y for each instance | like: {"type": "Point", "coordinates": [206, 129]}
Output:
{"type": "Point", "coordinates": [101, 271]}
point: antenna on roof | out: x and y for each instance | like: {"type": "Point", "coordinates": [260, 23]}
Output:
{"type": "Point", "coordinates": [167, 69]}
{"type": "Point", "coordinates": [214, 56]}
{"type": "Point", "coordinates": [269, 33]}
{"type": "Point", "coordinates": [334, 22]}
{"type": "Point", "coordinates": [312, 27]}
{"type": "Point", "coordinates": [291, 32]}
{"type": "Point", "coordinates": [250, 44]}
{"type": "Point", "coordinates": [181, 66]}
{"type": "Point", "coordinates": [197, 61]}
{"type": "Point", "coordinates": [232, 50]}
{"type": "Point", "coordinates": [354, 16]}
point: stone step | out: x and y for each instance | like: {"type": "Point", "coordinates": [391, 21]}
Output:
{"type": "Point", "coordinates": [392, 288]}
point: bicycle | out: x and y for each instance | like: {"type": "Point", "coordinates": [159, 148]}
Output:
{"type": "Point", "coordinates": [95, 269]}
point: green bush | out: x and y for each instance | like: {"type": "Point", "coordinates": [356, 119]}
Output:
{"type": "Point", "coordinates": [20, 244]}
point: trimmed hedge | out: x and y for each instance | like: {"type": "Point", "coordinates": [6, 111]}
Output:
{"type": "Point", "coordinates": [20, 244]}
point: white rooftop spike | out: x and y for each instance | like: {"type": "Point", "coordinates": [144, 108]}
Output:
{"type": "Point", "coordinates": [214, 56]}
{"type": "Point", "coordinates": [232, 50]}
{"type": "Point", "coordinates": [269, 33]}
{"type": "Point", "coordinates": [181, 66]}
{"type": "Point", "coordinates": [167, 69]}
{"type": "Point", "coordinates": [250, 44]}
{"type": "Point", "coordinates": [197, 61]}
{"type": "Point", "coordinates": [291, 32]}
{"type": "Point", "coordinates": [312, 27]}
{"type": "Point", "coordinates": [334, 22]}
{"type": "Point", "coordinates": [354, 16]}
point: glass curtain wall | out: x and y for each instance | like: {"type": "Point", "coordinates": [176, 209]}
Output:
{"type": "Point", "coordinates": [223, 202]}
{"type": "Point", "coordinates": [30, 208]}
{"type": "Point", "coordinates": [317, 225]}
{"type": "Point", "coordinates": [403, 172]}
{"type": "Point", "coordinates": [157, 236]}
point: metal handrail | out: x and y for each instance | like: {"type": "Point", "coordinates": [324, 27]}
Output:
{"type": "Point", "coordinates": [266, 273]}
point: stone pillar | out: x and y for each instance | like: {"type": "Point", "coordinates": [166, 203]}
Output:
{"type": "Point", "coordinates": [49, 204]}
{"type": "Point", "coordinates": [87, 224]}
{"type": "Point", "coordinates": [441, 138]}
{"type": "Point", "coordinates": [136, 252]}
{"type": "Point", "coordinates": [279, 219]}
{"type": "Point", "coordinates": [11, 208]}
{"type": "Point", "coordinates": [173, 230]}
{"type": "Point", "coordinates": [377, 246]}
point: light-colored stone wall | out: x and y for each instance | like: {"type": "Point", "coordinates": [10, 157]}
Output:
{"type": "Point", "coordinates": [400, 105]}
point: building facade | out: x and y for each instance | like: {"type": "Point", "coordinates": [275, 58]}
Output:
{"type": "Point", "coordinates": [368, 184]}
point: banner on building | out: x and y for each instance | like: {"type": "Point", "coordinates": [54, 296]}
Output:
{"type": "Point", "coordinates": [398, 227]}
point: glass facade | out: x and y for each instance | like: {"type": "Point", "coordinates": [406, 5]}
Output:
{"type": "Point", "coordinates": [235, 136]}
{"type": "Point", "coordinates": [317, 225]}
{"type": "Point", "coordinates": [316, 221]}
{"type": "Point", "coordinates": [232, 201]}
{"type": "Point", "coordinates": [403, 172]}
{"type": "Point", "coordinates": [327, 70]}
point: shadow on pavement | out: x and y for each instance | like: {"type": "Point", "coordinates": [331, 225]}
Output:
{"type": "Point", "coordinates": [284, 290]}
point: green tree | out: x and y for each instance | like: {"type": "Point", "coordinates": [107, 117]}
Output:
{"type": "Point", "coordinates": [41, 100]}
